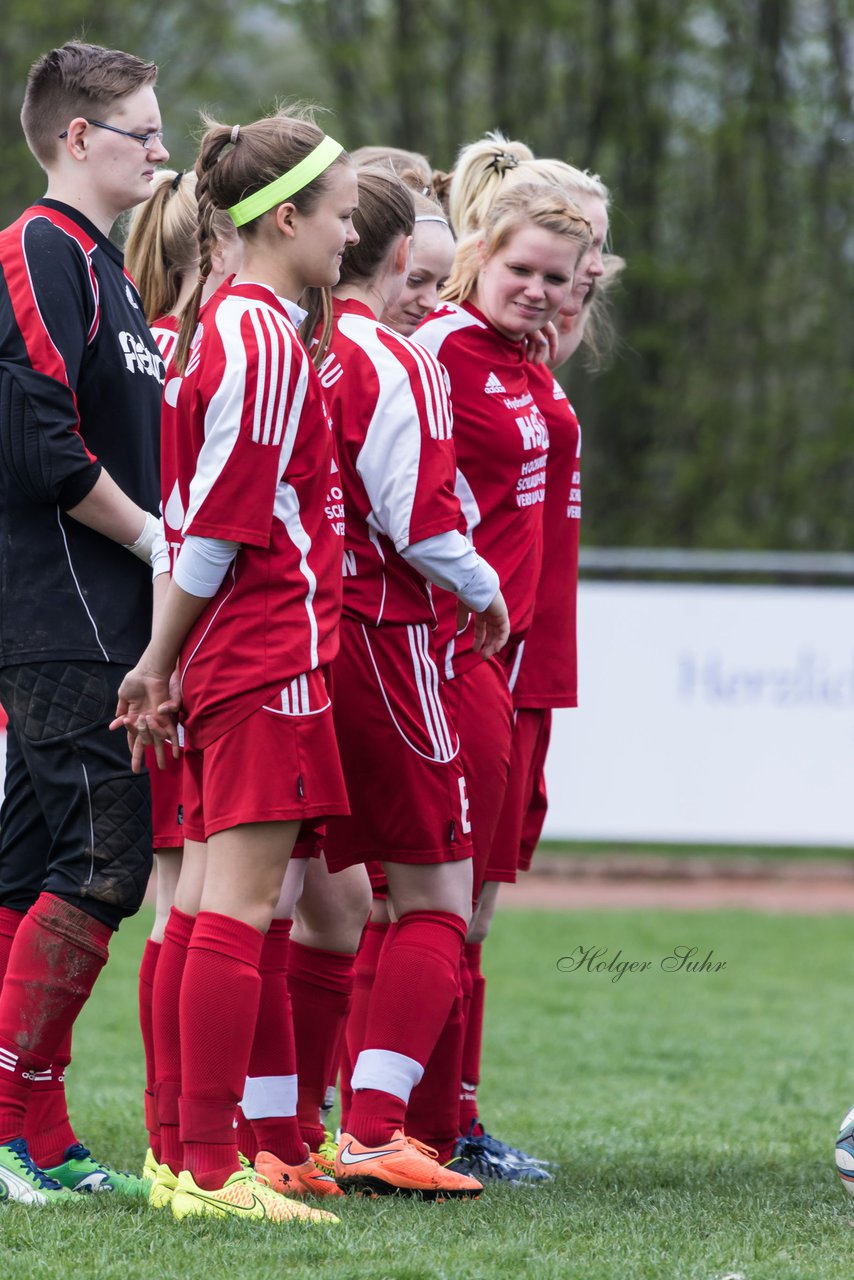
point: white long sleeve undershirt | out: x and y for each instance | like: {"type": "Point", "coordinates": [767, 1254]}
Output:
{"type": "Point", "coordinates": [450, 560]}
{"type": "Point", "coordinates": [202, 564]}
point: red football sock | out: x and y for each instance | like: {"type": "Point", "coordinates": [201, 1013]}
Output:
{"type": "Point", "coordinates": [364, 973]}
{"type": "Point", "coordinates": [9, 922]}
{"type": "Point", "coordinates": [270, 1090]}
{"type": "Point", "coordinates": [57, 953]}
{"type": "Point", "coordinates": [469, 1121]}
{"type": "Point", "coordinates": [165, 1026]}
{"type": "Point", "coordinates": [47, 1128]}
{"type": "Point", "coordinates": [148, 965]}
{"type": "Point", "coordinates": [416, 984]}
{"type": "Point", "coordinates": [434, 1107]}
{"type": "Point", "coordinates": [218, 1010]}
{"type": "Point", "coordinates": [320, 985]}
{"type": "Point", "coordinates": [247, 1143]}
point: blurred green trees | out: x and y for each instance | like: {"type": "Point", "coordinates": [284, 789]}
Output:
{"type": "Point", "coordinates": [724, 130]}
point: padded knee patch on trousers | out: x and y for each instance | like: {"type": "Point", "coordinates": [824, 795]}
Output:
{"type": "Point", "coordinates": [120, 859]}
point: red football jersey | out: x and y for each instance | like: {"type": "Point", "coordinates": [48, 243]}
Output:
{"type": "Point", "coordinates": [548, 671]}
{"type": "Point", "coordinates": [501, 440]}
{"type": "Point", "coordinates": [253, 458]}
{"type": "Point", "coordinates": [165, 332]}
{"type": "Point", "coordinates": [392, 420]}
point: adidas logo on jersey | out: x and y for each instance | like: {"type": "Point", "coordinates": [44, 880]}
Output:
{"type": "Point", "coordinates": [493, 386]}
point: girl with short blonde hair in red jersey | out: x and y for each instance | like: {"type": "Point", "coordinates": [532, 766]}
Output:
{"type": "Point", "coordinates": [508, 281]}
{"type": "Point", "coordinates": [162, 255]}
{"type": "Point", "coordinates": [252, 618]}
{"type": "Point", "coordinates": [544, 674]}
{"type": "Point", "coordinates": [393, 424]}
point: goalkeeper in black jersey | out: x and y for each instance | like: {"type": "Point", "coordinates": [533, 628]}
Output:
{"type": "Point", "coordinates": [80, 383]}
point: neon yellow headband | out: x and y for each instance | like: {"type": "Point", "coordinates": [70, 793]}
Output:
{"type": "Point", "coordinates": [289, 183]}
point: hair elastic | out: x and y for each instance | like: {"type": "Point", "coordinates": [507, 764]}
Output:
{"type": "Point", "coordinates": [502, 161]}
{"type": "Point", "coordinates": [288, 184]}
{"type": "Point", "coordinates": [235, 132]}
{"type": "Point", "coordinates": [176, 181]}
{"type": "Point", "coordinates": [432, 217]}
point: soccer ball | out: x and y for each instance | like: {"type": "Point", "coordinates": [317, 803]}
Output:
{"type": "Point", "coordinates": [845, 1152]}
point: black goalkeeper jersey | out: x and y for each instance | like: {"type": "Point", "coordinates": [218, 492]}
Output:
{"type": "Point", "coordinates": [80, 382]}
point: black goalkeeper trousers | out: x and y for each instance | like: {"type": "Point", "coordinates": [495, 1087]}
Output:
{"type": "Point", "coordinates": [75, 821]}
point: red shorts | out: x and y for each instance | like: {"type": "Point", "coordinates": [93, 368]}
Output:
{"type": "Point", "coordinates": [275, 766]}
{"type": "Point", "coordinates": [525, 804]}
{"type": "Point", "coordinates": [479, 701]}
{"type": "Point", "coordinates": [538, 801]}
{"type": "Point", "coordinates": [166, 799]}
{"type": "Point", "coordinates": [399, 750]}
{"type": "Point", "coordinates": [378, 879]}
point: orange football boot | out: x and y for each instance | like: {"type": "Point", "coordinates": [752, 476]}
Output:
{"type": "Point", "coordinates": [401, 1164]}
{"type": "Point", "coordinates": [296, 1179]}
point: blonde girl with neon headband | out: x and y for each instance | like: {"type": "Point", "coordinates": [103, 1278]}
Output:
{"type": "Point", "coordinates": [251, 618]}
{"type": "Point", "coordinates": [162, 256]}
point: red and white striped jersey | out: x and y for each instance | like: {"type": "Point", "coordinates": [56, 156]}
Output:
{"type": "Point", "coordinates": [392, 420]}
{"type": "Point", "coordinates": [501, 441]}
{"type": "Point", "coordinates": [254, 463]}
{"type": "Point", "coordinates": [165, 333]}
{"type": "Point", "coordinates": [548, 671]}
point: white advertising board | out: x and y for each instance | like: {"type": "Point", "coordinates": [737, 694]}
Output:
{"type": "Point", "coordinates": [718, 714]}
{"type": "Point", "coordinates": [710, 714]}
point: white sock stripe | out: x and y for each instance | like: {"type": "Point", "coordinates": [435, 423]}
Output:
{"type": "Point", "coordinates": [390, 1072]}
{"type": "Point", "coordinates": [265, 1096]}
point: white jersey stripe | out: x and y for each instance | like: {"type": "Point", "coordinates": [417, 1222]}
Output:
{"type": "Point", "coordinates": [261, 376]}
{"type": "Point", "coordinates": [295, 700]}
{"type": "Point", "coordinates": [286, 349]}
{"type": "Point", "coordinates": [434, 393]}
{"type": "Point", "coordinates": [272, 389]}
{"type": "Point", "coordinates": [517, 662]}
{"type": "Point", "coordinates": [286, 509]}
{"type": "Point", "coordinates": [213, 619]}
{"type": "Point", "coordinates": [375, 542]}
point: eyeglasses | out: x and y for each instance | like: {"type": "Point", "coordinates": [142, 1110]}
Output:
{"type": "Point", "coordinates": [147, 139]}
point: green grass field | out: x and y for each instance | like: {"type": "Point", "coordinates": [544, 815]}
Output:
{"type": "Point", "coordinates": [693, 1115]}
